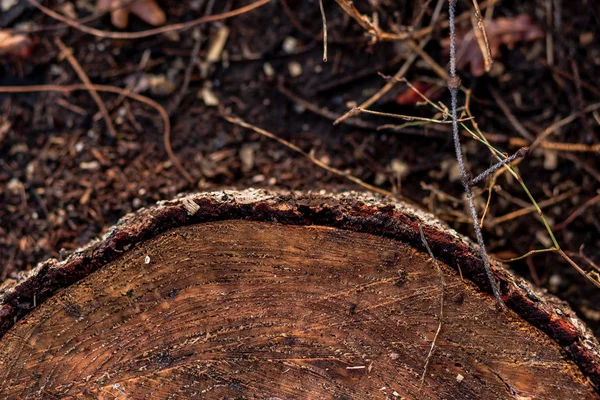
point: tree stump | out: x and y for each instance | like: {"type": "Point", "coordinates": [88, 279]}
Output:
{"type": "Point", "coordinates": [284, 295]}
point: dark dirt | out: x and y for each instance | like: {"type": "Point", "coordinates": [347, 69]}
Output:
{"type": "Point", "coordinates": [64, 180]}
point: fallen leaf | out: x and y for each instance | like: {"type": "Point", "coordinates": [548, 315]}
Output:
{"type": "Point", "coordinates": [500, 31]}
{"type": "Point", "coordinates": [146, 10]}
{"type": "Point", "coordinates": [16, 45]}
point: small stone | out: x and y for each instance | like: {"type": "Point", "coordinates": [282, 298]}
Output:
{"type": "Point", "coordinates": [550, 160]}
{"type": "Point", "coordinates": [258, 178]}
{"type": "Point", "coordinates": [217, 43]}
{"type": "Point", "coordinates": [90, 166]}
{"type": "Point", "coordinates": [453, 170]}
{"type": "Point", "coordinates": [209, 97]}
{"type": "Point", "coordinates": [380, 178]}
{"type": "Point", "coordinates": [554, 282]}
{"type": "Point", "coordinates": [268, 69]}
{"type": "Point", "coordinates": [295, 69]}
{"type": "Point", "coordinates": [299, 108]}
{"type": "Point", "coordinates": [14, 185]}
{"type": "Point", "coordinates": [161, 85]}
{"type": "Point", "coordinates": [290, 44]}
{"type": "Point", "coordinates": [147, 260]}
{"type": "Point", "coordinates": [459, 378]}
{"type": "Point", "coordinates": [586, 38]}
{"type": "Point", "coordinates": [247, 158]}
{"type": "Point", "coordinates": [399, 167]}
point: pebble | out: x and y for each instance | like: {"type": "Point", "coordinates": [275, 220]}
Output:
{"type": "Point", "coordinates": [89, 165]}
{"type": "Point", "coordinates": [290, 44]}
{"type": "Point", "coordinates": [295, 69]}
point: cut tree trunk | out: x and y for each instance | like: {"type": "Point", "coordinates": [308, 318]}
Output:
{"type": "Point", "coordinates": [256, 294]}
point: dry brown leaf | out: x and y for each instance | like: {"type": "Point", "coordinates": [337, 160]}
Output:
{"type": "Point", "coordinates": [146, 10]}
{"type": "Point", "coordinates": [16, 45]}
{"type": "Point", "coordinates": [500, 31]}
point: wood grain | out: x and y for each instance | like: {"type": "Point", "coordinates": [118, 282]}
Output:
{"type": "Point", "coordinates": [241, 309]}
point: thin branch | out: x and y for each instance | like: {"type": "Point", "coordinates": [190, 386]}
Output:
{"type": "Point", "coordinates": [489, 196]}
{"type": "Point", "coordinates": [580, 210]}
{"type": "Point", "coordinates": [150, 32]}
{"type": "Point", "coordinates": [522, 152]}
{"type": "Point", "coordinates": [533, 208]}
{"type": "Point", "coordinates": [377, 34]}
{"type": "Point", "coordinates": [68, 54]}
{"type": "Point", "coordinates": [294, 20]}
{"type": "Point", "coordinates": [324, 30]}
{"type": "Point", "coordinates": [441, 72]}
{"type": "Point", "coordinates": [567, 75]}
{"type": "Point", "coordinates": [511, 117]}
{"type": "Point", "coordinates": [188, 73]}
{"type": "Point", "coordinates": [416, 23]}
{"type": "Point", "coordinates": [578, 268]}
{"type": "Point", "coordinates": [358, 110]}
{"type": "Point", "coordinates": [559, 124]}
{"type": "Point", "coordinates": [368, 25]}
{"type": "Point", "coordinates": [387, 87]}
{"type": "Point", "coordinates": [441, 108]}
{"type": "Point", "coordinates": [549, 36]}
{"type": "Point", "coordinates": [482, 38]}
{"type": "Point", "coordinates": [560, 146]}
{"type": "Point", "coordinates": [453, 86]}
{"type": "Point", "coordinates": [441, 314]}
{"type": "Point", "coordinates": [335, 171]}
{"type": "Point", "coordinates": [325, 113]}
{"type": "Point", "coordinates": [97, 15]}
{"type": "Point", "coordinates": [529, 253]}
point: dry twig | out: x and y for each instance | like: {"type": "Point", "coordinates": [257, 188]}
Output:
{"type": "Point", "coordinates": [580, 210]}
{"type": "Point", "coordinates": [358, 110]}
{"type": "Point", "coordinates": [559, 124]}
{"type": "Point", "coordinates": [559, 146]}
{"type": "Point", "coordinates": [386, 88]}
{"type": "Point", "coordinates": [530, 209]}
{"type": "Point", "coordinates": [441, 314]}
{"type": "Point", "coordinates": [453, 86]}
{"type": "Point", "coordinates": [323, 111]}
{"type": "Point", "coordinates": [188, 73]}
{"type": "Point", "coordinates": [335, 171]}
{"type": "Point", "coordinates": [324, 30]}
{"type": "Point", "coordinates": [482, 38]}
{"type": "Point", "coordinates": [150, 32]}
{"type": "Point", "coordinates": [510, 116]}
{"type": "Point", "coordinates": [67, 53]}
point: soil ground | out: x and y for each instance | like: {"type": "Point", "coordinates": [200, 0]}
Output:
{"type": "Point", "coordinates": [64, 179]}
